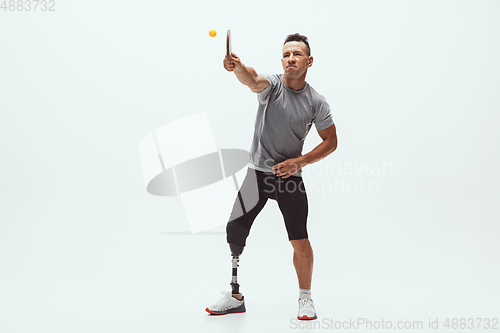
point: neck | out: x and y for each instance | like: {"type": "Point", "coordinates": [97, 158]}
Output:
{"type": "Point", "coordinates": [295, 83]}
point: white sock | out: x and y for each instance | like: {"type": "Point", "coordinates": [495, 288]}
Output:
{"type": "Point", "coordinates": [304, 293]}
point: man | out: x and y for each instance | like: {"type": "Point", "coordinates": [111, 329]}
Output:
{"type": "Point", "coordinates": [288, 106]}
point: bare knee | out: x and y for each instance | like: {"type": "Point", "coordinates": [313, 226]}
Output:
{"type": "Point", "coordinates": [302, 246]}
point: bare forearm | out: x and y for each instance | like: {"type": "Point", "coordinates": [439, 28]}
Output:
{"type": "Point", "coordinates": [292, 165]}
{"type": "Point", "coordinates": [321, 151]}
{"type": "Point", "coordinates": [246, 75]}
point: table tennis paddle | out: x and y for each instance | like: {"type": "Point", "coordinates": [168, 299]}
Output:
{"type": "Point", "coordinates": [228, 45]}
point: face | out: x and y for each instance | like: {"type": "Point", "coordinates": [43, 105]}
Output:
{"type": "Point", "coordinates": [295, 60]}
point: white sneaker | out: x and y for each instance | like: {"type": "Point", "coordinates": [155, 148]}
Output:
{"type": "Point", "coordinates": [306, 309]}
{"type": "Point", "coordinates": [227, 304]}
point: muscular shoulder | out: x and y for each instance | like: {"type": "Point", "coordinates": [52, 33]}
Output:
{"type": "Point", "coordinates": [316, 96]}
{"type": "Point", "coordinates": [274, 79]}
{"type": "Point", "coordinates": [274, 82]}
{"type": "Point", "coordinates": [318, 100]}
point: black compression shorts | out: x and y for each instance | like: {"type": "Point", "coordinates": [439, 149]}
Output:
{"type": "Point", "coordinates": [256, 189]}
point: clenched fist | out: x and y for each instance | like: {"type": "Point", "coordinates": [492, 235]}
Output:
{"type": "Point", "coordinates": [235, 62]}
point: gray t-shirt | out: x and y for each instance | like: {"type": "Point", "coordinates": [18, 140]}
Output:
{"type": "Point", "coordinates": [283, 120]}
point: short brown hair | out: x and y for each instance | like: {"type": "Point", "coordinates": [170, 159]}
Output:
{"type": "Point", "coordinates": [298, 38]}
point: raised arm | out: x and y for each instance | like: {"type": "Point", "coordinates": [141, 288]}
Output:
{"type": "Point", "coordinates": [246, 75]}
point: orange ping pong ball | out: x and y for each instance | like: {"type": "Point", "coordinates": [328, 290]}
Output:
{"type": "Point", "coordinates": [212, 33]}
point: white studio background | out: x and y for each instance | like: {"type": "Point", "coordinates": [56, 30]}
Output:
{"type": "Point", "coordinates": [414, 88]}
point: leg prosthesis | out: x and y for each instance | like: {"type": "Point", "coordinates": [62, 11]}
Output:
{"type": "Point", "coordinates": [236, 251]}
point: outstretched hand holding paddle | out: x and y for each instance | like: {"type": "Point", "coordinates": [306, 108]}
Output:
{"type": "Point", "coordinates": [231, 63]}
